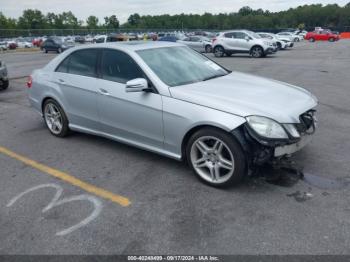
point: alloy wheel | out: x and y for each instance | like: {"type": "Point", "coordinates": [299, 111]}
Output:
{"type": "Point", "coordinates": [212, 159]}
{"type": "Point", "coordinates": [208, 49]}
{"type": "Point", "coordinates": [219, 51]}
{"type": "Point", "coordinates": [53, 118]}
{"type": "Point", "coordinates": [257, 52]}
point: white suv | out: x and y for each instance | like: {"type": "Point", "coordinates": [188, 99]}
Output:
{"type": "Point", "coordinates": [242, 41]}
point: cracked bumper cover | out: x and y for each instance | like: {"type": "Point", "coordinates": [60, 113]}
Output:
{"type": "Point", "coordinates": [292, 148]}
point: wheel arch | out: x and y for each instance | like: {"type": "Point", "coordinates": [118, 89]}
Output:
{"type": "Point", "coordinates": [196, 128]}
{"type": "Point", "coordinates": [219, 45]}
{"type": "Point", "coordinates": [256, 45]}
{"type": "Point", "coordinates": [47, 98]}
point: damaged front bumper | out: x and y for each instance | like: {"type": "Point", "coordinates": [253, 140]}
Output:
{"type": "Point", "coordinates": [292, 148]}
{"type": "Point", "coordinates": [261, 150]}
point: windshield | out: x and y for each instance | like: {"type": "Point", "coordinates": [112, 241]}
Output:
{"type": "Point", "coordinates": [180, 65]}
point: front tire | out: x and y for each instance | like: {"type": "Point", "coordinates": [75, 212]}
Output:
{"type": "Point", "coordinates": [219, 51]}
{"type": "Point", "coordinates": [279, 46]}
{"type": "Point", "coordinates": [216, 157]}
{"type": "Point", "coordinates": [312, 39]}
{"type": "Point", "coordinates": [257, 52]}
{"type": "Point", "coordinates": [331, 39]}
{"type": "Point", "coordinates": [55, 118]}
{"type": "Point", "coordinates": [208, 49]}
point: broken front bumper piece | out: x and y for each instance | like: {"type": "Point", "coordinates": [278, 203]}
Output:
{"type": "Point", "coordinates": [292, 148]}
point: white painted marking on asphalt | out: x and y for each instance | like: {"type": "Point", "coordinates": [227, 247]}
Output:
{"type": "Point", "coordinates": [56, 202]}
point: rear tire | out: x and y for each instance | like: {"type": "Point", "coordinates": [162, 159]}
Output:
{"type": "Point", "coordinates": [216, 157]}
{"type": "Point", "coordinates": [331, 39]}
{"type": "Point", "coordinates": [44, 50]}
{"type": "Point", "coordinates": [55, 118]}
{"type": "Point", "coordinates": [312, 39]}
{"type": "Point", "coordinates": [4, 84]}
{"type": "Point", "coordinates": [219, 51]}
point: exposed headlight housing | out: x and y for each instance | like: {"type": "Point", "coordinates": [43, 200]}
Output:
{"type": "Point", "coordinates": [266, 127]}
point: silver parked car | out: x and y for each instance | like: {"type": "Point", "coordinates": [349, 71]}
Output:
{"type": "Point", "coordinates": [198, 43]}
{"type": "Point", "coordinates": [4, 81]}
{"type": "Point", "coordinates": [166, 98]}
{"type": "Point", "coordinates": [282, 43]}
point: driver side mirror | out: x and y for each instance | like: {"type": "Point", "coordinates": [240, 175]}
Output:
{"type": "Point", "coordinates": [136, 85]}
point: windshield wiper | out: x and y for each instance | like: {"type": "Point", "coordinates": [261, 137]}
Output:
{"type": "Point", "coordinates": [212, 77]}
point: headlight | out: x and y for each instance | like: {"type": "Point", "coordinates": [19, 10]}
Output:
{"type": "Point", "coordinates": [266, 127]}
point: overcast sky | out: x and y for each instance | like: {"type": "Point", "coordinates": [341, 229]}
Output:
{"type": "Point", "coordinates": [123, 8]}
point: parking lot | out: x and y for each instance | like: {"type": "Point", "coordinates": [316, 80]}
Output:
{"type": "Point", "coordinates": [108, 198]}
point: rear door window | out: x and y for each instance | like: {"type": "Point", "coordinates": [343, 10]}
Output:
{"type": "Point", "coordinates": [82, 62]}
{"type": "Point", "coordinates": [239, 35]}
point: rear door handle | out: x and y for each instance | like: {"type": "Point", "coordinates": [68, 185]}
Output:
{"type": "Point", "coordinates": [103, 92]}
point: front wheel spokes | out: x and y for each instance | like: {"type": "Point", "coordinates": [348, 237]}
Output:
{"type": "Point", "coordinates": [217, 148]}
{"type": "Point", "coordinates": [202, 147]}
{"type": "Point", "coordinates": [201, 162]}
{"type": "Point", "coordinates": [224, 163]}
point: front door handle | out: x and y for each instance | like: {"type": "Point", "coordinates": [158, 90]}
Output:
{"type": "Point", "coordinates": [103, 92]}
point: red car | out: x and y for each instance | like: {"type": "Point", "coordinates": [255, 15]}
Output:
{"type": "Point", "coordinates": [324, 35]}
{"type": "Point", "coordinates": [37, 42]}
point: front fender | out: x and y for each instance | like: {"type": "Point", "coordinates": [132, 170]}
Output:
{"type": "Point", "coordinates": [179, 117]}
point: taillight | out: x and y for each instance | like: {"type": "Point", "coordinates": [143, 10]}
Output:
{"type": "Point", "coordinates": [29, 82]}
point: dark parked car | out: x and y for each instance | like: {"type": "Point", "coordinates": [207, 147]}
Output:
{"type": "Point", "coordinates": [56, 45]}
{"type": "Point", "coordinates": [4, 81]}
{"type": "Point", "coordinates": [79, 39]}
{"type": "Point", "coordinates": [168, 39]}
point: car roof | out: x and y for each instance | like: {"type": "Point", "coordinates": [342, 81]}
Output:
{"type": "Point", "coordinates": [132, 45]}
{"type": "Point", "coordinates": [236, 30]}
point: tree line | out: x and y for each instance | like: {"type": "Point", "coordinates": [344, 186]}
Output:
{"type": "Point", "coordinates": [306, 16]}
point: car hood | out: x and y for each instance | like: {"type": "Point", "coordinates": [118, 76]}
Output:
{"type": "Point", "coordinates": [243, 94]}
{"type": "Point", "coordinates": [283, 38]}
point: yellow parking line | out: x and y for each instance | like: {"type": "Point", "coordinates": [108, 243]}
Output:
{"type": "Point", "coordinates": [123, 201]}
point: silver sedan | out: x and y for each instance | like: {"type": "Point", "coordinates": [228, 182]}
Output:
{"type": "Point", "coordinates": [166, 98]}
